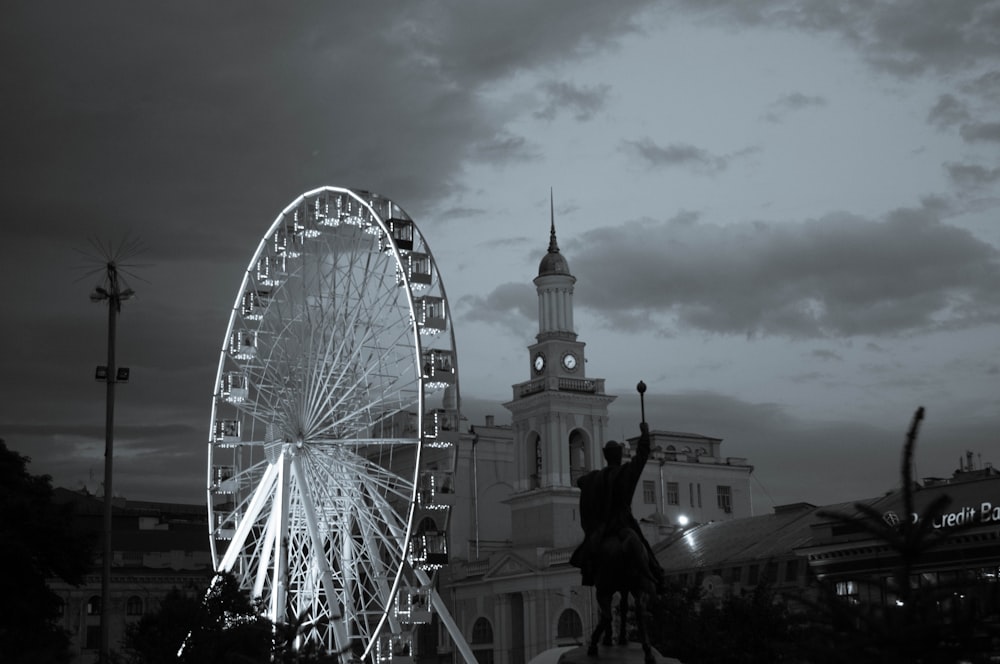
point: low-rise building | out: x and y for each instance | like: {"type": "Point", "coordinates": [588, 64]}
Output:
{"type": "Point", "coordinates": [845, 547]}
{"type": "Point", "coordinates": [156, 548]}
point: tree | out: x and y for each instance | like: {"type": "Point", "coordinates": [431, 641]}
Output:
{"type": "Point", "coordinates": [40, 541]}
{"type": "Point", "coordinates": [220, 626]}
{"type": "Point", "coordinates": [912, 630]}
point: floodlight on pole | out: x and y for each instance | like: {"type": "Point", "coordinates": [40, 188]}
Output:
{"type": "Point", "coordinates": [112, 293]}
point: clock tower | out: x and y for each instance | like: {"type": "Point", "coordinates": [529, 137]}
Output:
{"type": "Point", "coordinates": [559, 416]}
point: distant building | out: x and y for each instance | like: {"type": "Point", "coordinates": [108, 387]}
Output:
{"type": "Point", "coordinates": [156, 547]}
{"type": "Point", "coordinates": [800, 543]}
{"type": "Point", "coordinates": [515, 520]}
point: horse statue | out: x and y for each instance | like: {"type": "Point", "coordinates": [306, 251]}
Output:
{"type": "Point", "coordinates": [614, 557]}
{"type": "Point", "coordinates": [624, 569]}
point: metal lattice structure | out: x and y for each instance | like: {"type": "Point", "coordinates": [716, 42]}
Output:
{"type": "Point", "coordinates": [334, 424]}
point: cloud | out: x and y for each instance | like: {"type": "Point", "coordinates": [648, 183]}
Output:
{"type": "Point", "coordinates": [118, 107]}
{"type": "Point", "coordinates": [948, 112]}
{"type": "Point", "coordinates": [153, 462]}
{"type": "Point", "coordinates": [792, 102]}
{"type": "Point", "coordinates": [685, 155]}
{"type": "Point", "coordinates": [971, 176]}
{"type": "Point", "coordinates": [985, 86]}
{"type": "Point", "coordinates": [976, 132]}
{"type": "Point", "coordinates": [824, 354]}
{"type": "Point", "coordinates": [504, 148]}
{"type": "Point", "coordinates": [513, 306]}
{"type": "Point", "coordinates": [900, 37]}
{"type": "Point", "coordinates": [459, 213]}
{"type": "Point", "coordinates": [468, 42]}
{"type": "Point", "coordinates": [838, 276]}
{"type": "Point", "coordinates": [583, 102]}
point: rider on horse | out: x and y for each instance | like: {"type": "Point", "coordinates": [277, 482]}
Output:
{"type": "Point", "coordinates": [606, 506]}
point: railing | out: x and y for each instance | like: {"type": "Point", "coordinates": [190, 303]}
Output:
{"type": "Point", "coordinates": [588, 385]}
{"type": "Point", "coordinates": [577, 385]}
{"type": "Point", "coordinates": [536, 385]}
{"type": "Point", "coordinates": [477, 567]}
{"type": "Point", "coordinates": [557, 557]}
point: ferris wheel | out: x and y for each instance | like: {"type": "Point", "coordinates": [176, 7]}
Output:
{"type": "Point", "coordinates": [335, 418]}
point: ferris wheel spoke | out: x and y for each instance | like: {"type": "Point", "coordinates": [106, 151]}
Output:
{"type": "Point", "coordinates": [260, 496]}
{"type": "Point", "coordinates": [347, 387]}
{"type": "Point", "coordinates": [266, 544]}
{"type": "Point", "coordinates": [320, 562]}
{"type": "Point", "coordinates": [356, 469]}
{"type": "Point", "coordinates": [354, 384]}
{"type": "Point", "coordinates": [395, 396]}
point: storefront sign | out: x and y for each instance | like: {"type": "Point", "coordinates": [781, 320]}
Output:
{"type": "Point", "coordinates": [986, 512]}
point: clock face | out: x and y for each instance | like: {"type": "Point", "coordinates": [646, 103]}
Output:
{"type": "Point", "coordinates": [569, 361]}
{"type": "Point", "coordinates": [539, 362]}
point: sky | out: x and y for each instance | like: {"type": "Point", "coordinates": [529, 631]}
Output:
{"type": "Point", "coordinates": [782, 215]}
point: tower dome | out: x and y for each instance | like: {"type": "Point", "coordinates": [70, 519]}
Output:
{"type": "Point", "coordinates": [553, 262]}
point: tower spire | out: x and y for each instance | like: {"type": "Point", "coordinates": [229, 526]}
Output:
{"type": "Point", "coordinates": [553, 245]}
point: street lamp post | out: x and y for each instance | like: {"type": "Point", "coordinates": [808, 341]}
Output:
{"type": "Point", "coordinates": [114, 295]}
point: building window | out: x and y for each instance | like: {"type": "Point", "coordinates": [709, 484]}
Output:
{"type": "Point", "coordinates": [724, 494]}
{"type": "Point", "coordinates": [848, 590]}
{"type": "Point", "coordinates": [649, 492]}
{"type": "Point", "coordinates": [752, 575]}
{"type": "Point", "coordinates": [691, 493]}
{"type": "Point", "coordinates": [673, 493]}
{"type": "Point", "coordinates": [536, 477]}
{"type": "Point", "coordinates": [578, 465]}
{"type": "Point", "coordinates": [94, 606]}
{"type": "Point", "coordinates": [699, 494]}
{"type": "Point", "coordinates": [792, 570]}
{"type": "Point", "coordinates": [482, 641]}
{"type": "Point", "coordinates": [93, 641]}
{"type": "Point", "coordinates": [570, 626]}
{"type": "Point", "coordinates": [134, 606]}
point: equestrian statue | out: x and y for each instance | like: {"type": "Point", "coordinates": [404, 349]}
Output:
{"type": "Point", "coordinates": [614, 556]}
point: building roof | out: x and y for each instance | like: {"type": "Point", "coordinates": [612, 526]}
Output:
{"type": "Point", "coordinates": [793, 529]}
{"type": "Point", "coordinates": [721, 543]}
{"type": "Point", "coordinates": [143, 526]}
{"type": "Point", "coordinates": [969, 495]}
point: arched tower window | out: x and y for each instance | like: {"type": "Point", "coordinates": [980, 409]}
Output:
{"type": "Point", "coordinates": [579, 464]}
{"type": "Point", "coordinates": [482, 641]}
{"type": "Point", "coordinates": [535, 458]}
{"type": "Point", "coordinates": [570, 627]}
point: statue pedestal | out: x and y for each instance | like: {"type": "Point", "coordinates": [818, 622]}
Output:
{"type": "Point", "coordinates": [627, 654]}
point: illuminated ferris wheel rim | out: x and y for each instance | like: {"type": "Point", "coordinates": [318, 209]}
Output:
{"type": "Point", "coordinates": [352, 462]}
{"type": "Point", "coordinates": [282, 217]}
